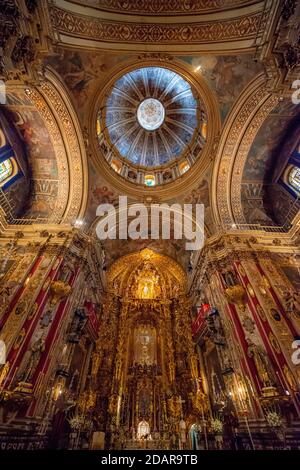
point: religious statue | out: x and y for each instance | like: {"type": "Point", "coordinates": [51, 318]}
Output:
{"type": "Point", "coordinates": [261, 363]}
{"type": "Point", "coordinates": [229, 278]}
{"type": "Point", "coordinates": [2, 352]}
{"type": "Point", "coordinates": [292, 302]}
{"type": "Point", "coordinates": [46, 318]}
{"type": "Point", "coordinates": [146, 285]}
{"type": "Point", "coordinates": [96, 359]}
{"type": "Point", "coordinates": [32, 360]}
{"type": "Point", "coordinates": [5, 294]}
{"type": "Point", "coordinates": [182, 433]}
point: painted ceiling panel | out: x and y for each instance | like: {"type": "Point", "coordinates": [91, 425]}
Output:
{"type": "Point", "coordinates": [158, 102]}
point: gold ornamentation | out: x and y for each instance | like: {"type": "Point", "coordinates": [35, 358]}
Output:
{"type": "Point", "coordinates": [47, 284]}
{"type": "Point", "coordinates": [266, 282]}
{"type": "Point", "coordinates": [233, 163]}
{"type": "Point", "coordinates": [261, 312]}
{"type": "Point", "coordinates": [3, 373]}
{"type": "Point", "coordinates": [262, 290]}
{"type": "Point", "coordinates": [236, 294]}
{"type": "Point", "coordinates": [21, 307]}
{"type": "Point", "coordinates": [33, 311]}
{"type": "Point", "coordinates": [250, 290]}
{"type": "Point", "coordinates": [274, 343]}
{"type": "Point", "coordinates": [241, 270]}
{"type": "Point", "coordinates": [159, 7]}
{"type": "Point", "coordinates": [290, 378]}
{"type": "Point", "coordinates": [109, 31]}
{"type": "Point", "coordinates": [87, 400]}
{"type": "Point", "coordinates": [59, 291]}
{"type": "Point", "coordinates": [19, 339]}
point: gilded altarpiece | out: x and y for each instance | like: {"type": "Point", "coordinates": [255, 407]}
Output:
{"type": "Point", "coordinates": [156, 375]}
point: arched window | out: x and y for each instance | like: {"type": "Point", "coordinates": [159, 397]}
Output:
{"type": "Point", "coordinates": [150, 180]}
{"type": "Point", "coordinates": [143, 430]}
{"type": "Point", "coordinates": [6, 170]}
{"type": "Point", "coordinates": [294, 178]}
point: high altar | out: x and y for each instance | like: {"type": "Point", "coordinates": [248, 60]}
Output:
{"type": "Point", "coordinates": [156, 388]}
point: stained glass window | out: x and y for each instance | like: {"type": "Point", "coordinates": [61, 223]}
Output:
{"type": "Point", "coordinates": [294, 178]}
{"type": "Point", "coordinates": [6, 170]}
{"type": "Point", "coordinates": [150, 180]}
{"type": "Point", "coordinates": [184, 167]}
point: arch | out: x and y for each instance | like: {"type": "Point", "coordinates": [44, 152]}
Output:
{"type": "Point", "coordinates": [58, 167]}
{"type": "Point", "coordinates": [179, 245]}
{"type": "Point", "coordinates": [240, 129]}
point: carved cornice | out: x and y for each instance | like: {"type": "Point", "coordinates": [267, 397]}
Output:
{"type": "Point", "coordinates": [241, 157]}
{"type": "Point", "coordinates": [24, 39]}
{"type": "Point", "coordinates": [280, 53]}
{"type": "Point", "coordinates": [248, 25]}
{"type": "Point", "coordinates": [223, 250]}
{"type": "Point", "coordinates": [232, 135]}
{"type": "Point", "coordinates": [53, 104]}
{"type": "Point", "coordinates": [169, 7]}
{"type": "Point", "coordinates": [55, 93]}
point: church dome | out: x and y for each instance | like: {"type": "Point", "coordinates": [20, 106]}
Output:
{"type": "Point", "coordinates": [152, 120]}
{"type": "Point", "coordinates": [151, 116]}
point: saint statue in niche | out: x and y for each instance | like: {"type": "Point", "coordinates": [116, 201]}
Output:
{"type": "Point", "coordinates": [2, 352]}
{"type": "Point", "coordinates": [261, 362]}
{"type": "Point", "coordinates": [30, 363]}
{"type": "Point", "coordinates": [146, 284]}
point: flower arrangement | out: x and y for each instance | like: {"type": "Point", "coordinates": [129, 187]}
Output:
{"type": "Point", "coordinates": [76, 422]}
{"type": "Point", "coordinates": [217, 426]}
{"type": "Point", "coordinates": [274, 419]}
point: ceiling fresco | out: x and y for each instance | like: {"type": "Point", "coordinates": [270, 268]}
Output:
{"type": "Point", "coordinates": [227, 75]}
{"type": "Point", "coordinates": [103, 192]}
{"type": "Point", "coordinates": [82, 71]}
{"type": "Point", "coordinates": [40, 154]}
{"type": "Point", "coordinates": [151, 116]}
{"type": "Point", "coordinates": [262, 159]}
